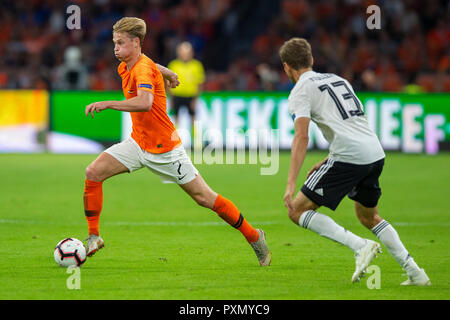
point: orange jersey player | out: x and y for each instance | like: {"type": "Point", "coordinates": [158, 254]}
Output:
{"type": "Point", "coordinates": [152, 130]}
{"type": "Point", "coordinates": [154, 142]}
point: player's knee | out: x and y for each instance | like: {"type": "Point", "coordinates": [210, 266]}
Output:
{"type": "Point", "coordinates": [302, 208]}
{"type": "Point", "coordinates": [292, 214]}
{"type": "Point", "coordinates": [295, 215]}
{"type": "Point", "coordinates": [92, 173]}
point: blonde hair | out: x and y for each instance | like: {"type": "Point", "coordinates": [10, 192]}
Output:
{"type": "Point", "coordinates": [134, 27]}
{"type": "Point", "coordinates": [296, 52]}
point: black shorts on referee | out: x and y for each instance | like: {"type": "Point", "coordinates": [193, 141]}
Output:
{"type": "Point", "coordinates": [329, 184]}
{"type": "Point", "coordinates": [182, 102]}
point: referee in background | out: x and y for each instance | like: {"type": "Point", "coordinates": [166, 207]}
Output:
{"type": "Point", "coordinates": [191, 75]}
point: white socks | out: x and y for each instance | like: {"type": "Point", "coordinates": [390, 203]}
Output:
{"type": "Point", "coordinates": [389, 237]}
{"type": "Point", "coordinates": [326, 227]}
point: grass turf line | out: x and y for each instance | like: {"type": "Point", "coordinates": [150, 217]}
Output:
{"type": "Point", "coordinates": [161, 245]}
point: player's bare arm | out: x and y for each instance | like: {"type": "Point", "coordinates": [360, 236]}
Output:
{"type": "Point", "coordinates": [168, 75]}
{"type": "Point", "coordinates": [298, 153]}
{"type": "Point", "coordinates": [141, 103]}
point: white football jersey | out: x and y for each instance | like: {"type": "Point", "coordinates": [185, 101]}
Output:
{"type": "Point", "coordinates": [330, 102]}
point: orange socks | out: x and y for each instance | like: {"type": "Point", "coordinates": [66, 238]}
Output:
{"type": "Point", "coordinates": [228, 212]}
{"type": "Point", "coordinates": [93, 202]}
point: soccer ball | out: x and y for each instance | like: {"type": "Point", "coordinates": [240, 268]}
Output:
{"type": "Point", "coordinates": [70, 252]}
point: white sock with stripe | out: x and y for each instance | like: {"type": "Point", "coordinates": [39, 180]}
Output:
{"type": "Point", "coordinates": [390, 238]}
{"type": "Point", "coordinates": [326, 227]}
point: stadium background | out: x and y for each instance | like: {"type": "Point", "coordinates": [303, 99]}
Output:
{"type": "Point", "coordinates": [401, 71]}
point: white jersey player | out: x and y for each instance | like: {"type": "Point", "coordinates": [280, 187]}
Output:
{"type": "Point", "coordinates": [354, 164]}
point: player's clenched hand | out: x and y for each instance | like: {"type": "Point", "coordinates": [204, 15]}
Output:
{"type": "Point", "coordinates": [96, 107]}
{"type": "Point", "coordinates": [172, 80]}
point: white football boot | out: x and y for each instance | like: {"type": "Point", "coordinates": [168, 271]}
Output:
{"type": "Point", "coordinates": [261, 249]}
{"type": "Point", "coordinates": [417, 278]}
{"type": "Point", "coordinates": [363, 258]}
{"type": "Point", "coordinates": [94, 243]}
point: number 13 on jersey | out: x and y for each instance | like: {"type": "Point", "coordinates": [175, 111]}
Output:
{"type": "Point", "coordinates": [346, 96]}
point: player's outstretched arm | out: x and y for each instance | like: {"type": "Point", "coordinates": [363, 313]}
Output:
{"type": "Point", "coordinates": [168, 75]}
{"type": "Point", "coordinates": [298, 153]}
{"type": "Point", "coordinates": [141, 103]}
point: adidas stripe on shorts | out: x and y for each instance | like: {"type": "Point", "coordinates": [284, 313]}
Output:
{"type": "Point", "coordinates": [329, 184]}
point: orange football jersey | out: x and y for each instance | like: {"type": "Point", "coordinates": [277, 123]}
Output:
{"type": "Point", "coordinates": [152, 130]}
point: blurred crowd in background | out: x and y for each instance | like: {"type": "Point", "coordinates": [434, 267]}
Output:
{"type": "Point", "coordinates": [237, 42]}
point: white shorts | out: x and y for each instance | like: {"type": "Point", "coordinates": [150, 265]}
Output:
{"type": "Point", "coordinates": [174, 166]}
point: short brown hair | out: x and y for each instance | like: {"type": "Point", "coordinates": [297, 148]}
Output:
{"type": "Point", "coordinates": [296, 52]}
{"type": "Point", "coordinates": [135, 27]}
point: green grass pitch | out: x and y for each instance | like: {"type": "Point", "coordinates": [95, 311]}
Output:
{"type": "Point", "coordinates": [161, 245]}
